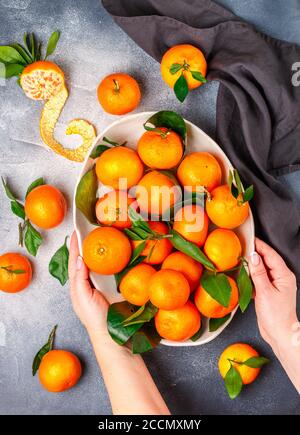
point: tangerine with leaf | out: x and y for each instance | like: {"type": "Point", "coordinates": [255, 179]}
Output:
{"type": "Point", "coordinates": [223, 248]}
{"type": "Point", "coordinates": [15, 272]}
{"type": "Point", "coordinates": [160, 148]}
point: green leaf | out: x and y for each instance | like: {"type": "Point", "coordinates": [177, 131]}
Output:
{"type": "Point", "coordinates": [137, 251]}
{"type": "Point", "coordinates": [137, 220]}
{"type": "Point", "coordinates": [217, 286]}
{"type": "Point", "coordinates": [23, 52]}
{"type": "Point", "coordinates": [119, 276]}
{"type": "Point", "coordinates": [11, 70]}
{"type": "Point", "coordinates": [181, 88]}
{"type": "Point", "coordinates": [98, 151]}
{"type": "Point", "coordinates": [32, 45]}
{"type": "Point", "coordinates": [9, 54]}
{"type": "Point", "coordinates": [198, 334]}
{"type": "Point", "coordinates": [38, 182]}
{"type": "Point", "coordinates": [132, 234]}
{"type": "Point", "coordinates": [17, 209]}
{"type": "Point", "coordinates": [33, 239]}
{"type": "Point", "coordinates": [234, 191]}
{"type": "Point", "coordinates": [145, 339]}
{"type": "Point", "coordinates": [133, 316]}
{"type": "Point", "coordinates": [113, 143]}
{"type": "Point", "coordinates": [15, 271]}
{"type": "Point", "coordinates": [86, 195]}
{"type": "Point", "coordinates": [215, 324]}
{"type": "Point", "coordinates": [45, 349]}
{"type": "Point", "coordinates": [144, 315]}
{"type": "Point", "coordinates": [189, 248]}
{"type": "Point", "coordinates": [117, 313]}
{"type": "Point", "coordinates": [169, 119]}
{"type": "Point", "coordinates": [175, 68]}
{"type": "Point", "coordinates": [233, 382]}
{"type": "Point", "coordinates": [58, 266]}
{"type": "Point", "coordinates": [256, 362]}
{"type": "Point", "coordinates": [238, 180]}
{"type": "Point", "coordinates": [53, 40]}
{"type": "Point", "coordinates": [8, 192]}
{"type": "Point", "coordinates": [197, 75]}
{"type": "Point", "coordinates": [248, 194]}
{"type": "Point", "coordinates": [245, 288]}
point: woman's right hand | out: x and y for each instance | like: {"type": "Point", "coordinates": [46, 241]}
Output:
{"type": "Point", "coordinates": [275, 299]}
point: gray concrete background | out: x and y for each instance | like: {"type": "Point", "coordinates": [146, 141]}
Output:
{"type": "Point", "coordinates": [92, 46]}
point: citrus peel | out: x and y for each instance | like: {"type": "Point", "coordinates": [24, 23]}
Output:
{"type": "Point", "coordinates": [49, 117]}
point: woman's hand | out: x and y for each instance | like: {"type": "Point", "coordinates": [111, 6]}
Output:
{"type": "Point", "coordinates": [275, 299]}
{"type": "Point", "coordinates": [89, 304]}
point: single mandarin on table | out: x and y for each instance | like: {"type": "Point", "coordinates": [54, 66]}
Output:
{"type": "Point", "coordinates": [112, 209]}
{"type": "Point", "coordinates": [106, 250]}
{"type": "Point", "coordinates": [224, 210]}
{"type": "Point", "coordinates": [161, 148]}
{"type": "Point", "coordinates": [199, 169]}
{"type": "Point", "coordinates": [45, 206]}
{"type": "Point", "coordinates": [134, 285]}
{"type": "Point", "coordinates": [191, 222]}
{"type": "Point", "coordinates": [15, 272]}
{"type": "Point", "coordinates": [168, 289]}
{"type": "Point", "coordinates": [223, 248]}
{"type": "Point", "coordinates": [119, 164]}
{"type": "Point", "coordinates": [179, 324]}
{"type": "Point", "coordinates": [155, 251]}
{"type": "Point", "coordinates": [59, 370]}
{"type": "Point", "coordinates": [119, 94]}
{"type": "Point", "coordinates": [239, 352]}
{"type": "Point", "coordinates": [190, 268]}
{"type": "Point", "coordinates": [190, 57]}
{"type": "Point", "coordinates": [211, 308]}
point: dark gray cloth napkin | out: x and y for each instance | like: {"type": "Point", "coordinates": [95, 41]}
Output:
{"type": "Point", "coordinates": [258, 108]}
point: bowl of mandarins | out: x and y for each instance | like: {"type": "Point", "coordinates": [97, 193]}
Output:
{"type": "Point", "coordinates": [165, 227]}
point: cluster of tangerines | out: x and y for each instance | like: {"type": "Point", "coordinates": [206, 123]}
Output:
{"type": "Point", "coordinates": [168, 278]}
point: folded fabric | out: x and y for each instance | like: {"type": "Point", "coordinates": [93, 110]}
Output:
{"type": "Point", "coordinates": [258, 107]}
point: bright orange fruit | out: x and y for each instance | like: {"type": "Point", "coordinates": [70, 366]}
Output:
{"type": "Point", "coordinates": [211, 308]}
{"type": "Point", "coordinates": [199, 169]}
{"type": "Point", "coordinates": [106, 250]}
{"type": "Point", "coordinates": [59, 370]}
{"type": "Point", "coordinates": [156, 251]}
{"type": "Point", "coordinates": [156, 193]}
{"type": "Point", "coordinates": [223, 248]}
{"type": "Point", "coordinates": [42, 80]}
{"type": "Point", "coordinates": [168, 289]}
{"type": "Point", "coordinates": [161, 148]}
{"type": "Point", "coordinates": [45, 206]}
{"type": "Point", "coordinates": [119, 94]}
{"type": "Point", "coordinates": [15, 272]}
{"type": "Point", "coordinates": [223, 208]}
{"type": "Point", "coordinates": [112, 209]}
{"type": "Point", "coordinates": [179, 324]}
{"type": "Point", "coordinates": [189, 56]}
{"type": "Point", "coordinates": [191, 222]}
{"type": "Point", "coordinates": [239, 352]}
{"type": "Point", "coordinates": [134, 285]}
{"type": "Point", "coordinates": [119, 163]}
{"type": "Point", "coordinates": [190, 268]}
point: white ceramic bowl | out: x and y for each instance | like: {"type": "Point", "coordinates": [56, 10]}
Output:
{"type": "Point", "coordinates": [130, 128]}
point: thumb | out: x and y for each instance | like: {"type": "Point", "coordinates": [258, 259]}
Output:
{"type": "Point", "coordinates": [80, 282]}
{"type": "Point", "coordinates": [258, 272]}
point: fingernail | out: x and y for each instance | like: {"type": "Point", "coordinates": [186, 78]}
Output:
{"type": "Point", "coordinates": [79, 263]}
{"type": "Point", "coordinates": [254, 258]}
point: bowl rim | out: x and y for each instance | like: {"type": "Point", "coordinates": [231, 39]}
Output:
{"type": "Point", "coordinates": [122, 120]}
